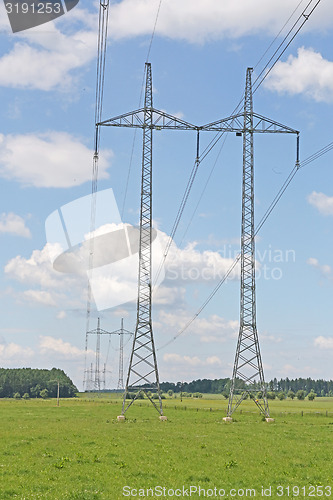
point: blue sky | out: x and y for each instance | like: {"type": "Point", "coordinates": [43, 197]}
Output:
{"type": "Point", "coordinates": [199, 57]}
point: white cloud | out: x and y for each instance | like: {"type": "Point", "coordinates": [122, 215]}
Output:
{"type": "Point", "coordinates": [37, 270]}
{"type": "Point", "coordinates": [52, 346]}
{"type": "Point", "coordinates": [204, 20]}
{"type": "Point", "coordinates": [322, 202]}
{"type": "Point", "coordinates": [50, 287]}
{"type": "Point", "coordinates": [47, 286]}
{"type": "Point", "coordinates": [324, 269]}
{"type": "Point", "coordinates": [50, 159]}
{"type": "Point", "coordinates": [45, 58]}
{"type": "Point", "coordinates": [61, 315]}
{"type": "Point", "coordinates": [12, 352]}
{"type": "Point", "coordinates": [191, 265]}
{"type": "Point", "coordinates": [308, 74]}
{"type": "Point", "coordinates": [191, 361]}
{"type": "Point", "coordinates": [323, 342]}
{"type": "Point", "coordinates": [13, 224]}
{"type": "Point", "coordinates": [40, 297]}
{"type": "Point", "coordinates": [210, 329]}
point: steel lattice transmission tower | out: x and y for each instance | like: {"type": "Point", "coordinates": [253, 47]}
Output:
{"type": "Point", "coordinates": [93, 375]}
{"type": "Point", "coordinates": [93, 379]}
{"type": "Point", "coordinates": [248, 364]}
{"type": "Point", "coordinates": [143, 371]}
{"type": "Point", "coordinates": [121, 332]}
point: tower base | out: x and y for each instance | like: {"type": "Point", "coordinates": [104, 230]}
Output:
{"type": "Point", "coordinates": [121, 418]}
{"type": "Point", "coordinates": [270, 420]}
{"type": "Point", "coordinates": [163, 418]}
{"type": "Point", "coordinates": [227, 419]}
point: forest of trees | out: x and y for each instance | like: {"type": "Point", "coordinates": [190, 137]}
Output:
{"type": "Point", "coordinates": [320, 387]}
{"type": "Point", "coordinates": [35, 383]}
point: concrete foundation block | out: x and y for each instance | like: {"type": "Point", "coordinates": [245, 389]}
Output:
{"type": "Point", "coordinates": [227, 419]}
{"type": "Point", "coordinates": [163, 418]}
{"type": "Point", "coordinates": [121, 418]}
{"type": "Point", "coordinates": [270, 420]}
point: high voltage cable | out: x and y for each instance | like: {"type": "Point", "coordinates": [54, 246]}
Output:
{"type": "Point", "coordinates": [279, 33]}
{"type": "Point", "coordinates": [268, 212]}
{"type": "Point", "coordinates": [317, 155]}
{"type": "Point", "coordinates": [219, 135]}
{"type": "Point", "coordinates": [203, 191]}
{"type": "Point", "coordinates": [100, 78]}
{"type": "Point", "coordinates": [140, 100]}
{"type": "Point", "coordinates": [306, 18]}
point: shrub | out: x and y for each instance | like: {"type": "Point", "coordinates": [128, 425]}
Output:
{"type": "Point", "coordinates": [26, 396]}
{"type": "Point", "coordinates": [300, 395]}
{"type": "Point", "coordinates": [291, 394]}
{"type": "Point", "coordinates": [44, 393]}
{"type": "Point", "coordinates": [17, 395]}
{"type": "Point", "coordinates": [311, 396]}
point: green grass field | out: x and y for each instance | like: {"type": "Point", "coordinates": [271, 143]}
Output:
{"type": "Point", "coordinates": [80, 451]}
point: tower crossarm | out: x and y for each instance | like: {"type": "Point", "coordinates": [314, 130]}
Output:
{"type": "Point", "coordinates": [235, 123]}
{"type": "Point", "coordinates": [159, 120]}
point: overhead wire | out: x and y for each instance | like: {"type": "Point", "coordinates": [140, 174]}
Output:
{"type": "Point", "coordinates": [219, 135]}
{"type": "Point", "coordinates": [103, 18]}
{"type": "Point", "coordinates": [129, 171]}
{"type": "Point", "coordinates": [305, 17]}
{"type": "Point", "coordinates": [262, 221]}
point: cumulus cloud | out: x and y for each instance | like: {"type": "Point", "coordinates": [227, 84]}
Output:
{"type": "Point", "coordinates": [205, 20]}
{"type": "Point", "coordinates": [50, 288]}
{"type": "Point", "coordinates": [191, 361]}
{"type": "Point", "coordinates": [12, 352]}
{"type": "Point", "coordinates": [61, 315]}
{"type": "Point", "coordinates": [324, 269]}
{"type": "Point", "coordinates": [322, 202]}
{"type": "Point", "coordinates": [323, 342]}
{"type": "Point", "coordinates": [51, 159]}
{"type": "Point", "coordinates": [40, 297]}
{"type": "Point", "coordinates": [214, 328]}
{"type": "Point", "coordinates": [13, 224]}
{"type": "Point", "coordinates": [191, 265]}
{"type": "Point", "coordinates": [52, 346]}
{"type": "Point", "coordinates": [46, 59]}
{"type": "Point", "coordinates": [308, 74]}
{"type": "Point", "coordinates": [116, 283]}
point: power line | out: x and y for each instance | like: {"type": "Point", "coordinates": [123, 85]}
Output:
{"type": "Point", "coordinates": [100, 79]}
{"type": "Point", "coordinates": [139, 106]}
{"type": "Point", "coordinates": [278, 34]}
{"type": "Point", "coordinates": [219, 135]}
{"type": "Point", "coordinates": [268, 212]}
{"type": "Point", "coordinates": [305, 16]}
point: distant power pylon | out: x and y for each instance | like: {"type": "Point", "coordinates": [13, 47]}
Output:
{"type": "Point", "coordinates": [248, 364]}
{"type": "Point", "coordinates": [143, 372]}
{"type": "Point", "coordinates": [95, 377]}
{"type": "Point", "coordinates": [121, 332]}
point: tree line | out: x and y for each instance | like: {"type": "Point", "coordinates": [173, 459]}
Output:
{"type": "Point", "coordinates": [35, 383]}
{"type": "Point", "coordinates": [217, 386]}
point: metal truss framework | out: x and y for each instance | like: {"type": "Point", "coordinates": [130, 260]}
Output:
{"type": "Point", "coordinates": [121, 332]}
{"type": "Point", "coordinates": [248, 363]}
{"type": "Point", "coordinates": [95, 375]}
{"type": "Point", "coordinates": [143, 372]}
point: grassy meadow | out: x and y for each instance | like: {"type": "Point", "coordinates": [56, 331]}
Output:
{"type": "Point", "coordinates": [79, 451]}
